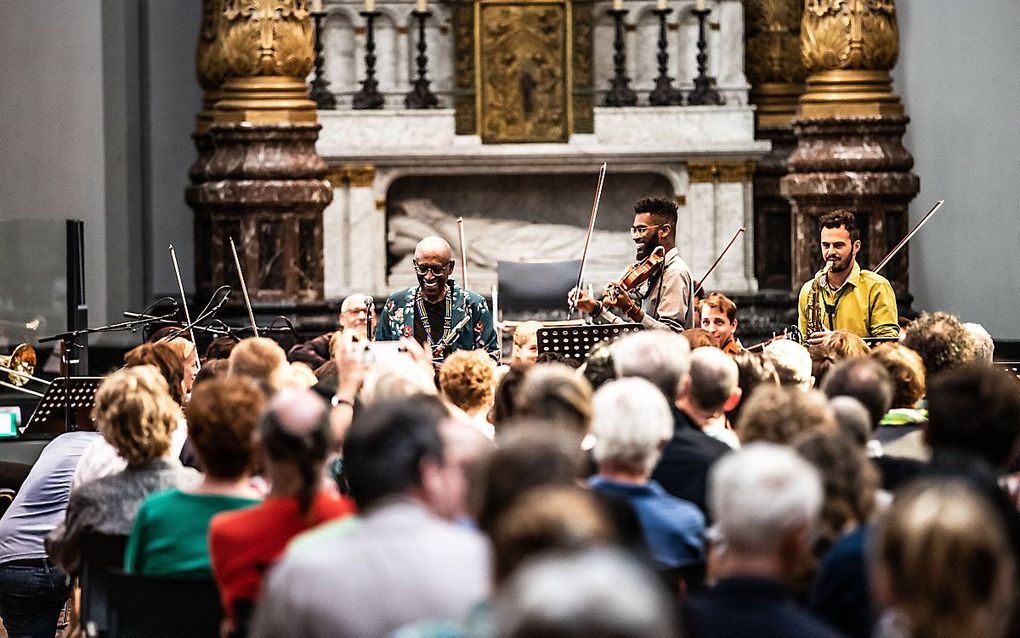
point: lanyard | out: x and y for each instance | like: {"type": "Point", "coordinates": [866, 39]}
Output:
{"type": "Point", "coordinates": [419, 302]}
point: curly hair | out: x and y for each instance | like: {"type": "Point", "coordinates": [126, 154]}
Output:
{"type": "Point", "coordinates": [222, 415]}
{"type": "Point", "coordinates": [468, 379]}
{"type": "Point", "coordinates": [849, 479]}
{"type": "Point", "coordinates": [941, 340]}
{"type": "Point", "coordinates": [135, 413]}
{"type": "Point", "coordinates": [841, 217]}
{"type": "Point", "coordinates": [165, 359]}
{"type": "Point", "coordinates": [662, 208]}
{"type": "Point", "coordinates": [777, 414]}
{"type": "Point", "coordinates": [906, 369]}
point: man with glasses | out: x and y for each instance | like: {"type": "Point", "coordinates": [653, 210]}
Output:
{"type": "Point", "coordinates": [664, 301]}
{"type": "Point", "coordinates": [353, 317]}
{"type": "Point", "coordinates": [431, 312]}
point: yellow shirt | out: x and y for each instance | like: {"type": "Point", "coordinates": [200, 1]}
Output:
{"type": "Point", "coordinates": [865, 305]}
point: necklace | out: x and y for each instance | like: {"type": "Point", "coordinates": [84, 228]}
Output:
{"type": "Point", "coordinates": [447, 316]}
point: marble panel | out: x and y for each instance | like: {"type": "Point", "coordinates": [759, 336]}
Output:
{"type": "Point", "coordinates": [343, 131]}
{"type": "Point", "coordinates": [688, 127]}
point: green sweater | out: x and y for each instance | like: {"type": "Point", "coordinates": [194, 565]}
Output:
{"type": "Point", "coordinates": [170, 534]}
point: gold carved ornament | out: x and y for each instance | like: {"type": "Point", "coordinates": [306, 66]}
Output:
{"type": "Point", "coordinates": [267, 37]}
{"type": "Point", "coordinates": [705, 172]}
{"type": "Point", "coordinates": [849, 35]}
{"type": "Point", "coordinates": [772, 44]}
{"type": "Point", "coordinates": [523, 77]}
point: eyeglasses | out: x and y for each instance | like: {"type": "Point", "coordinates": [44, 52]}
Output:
{"type": "Point", "coordinates": [641, 230]}
{"type": "Point", "coordinates": [437, 271]}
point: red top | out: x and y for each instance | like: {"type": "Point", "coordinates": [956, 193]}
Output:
{"type": "Point", "coordinates": [244, 544]}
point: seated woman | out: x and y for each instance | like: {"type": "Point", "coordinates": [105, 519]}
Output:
{"type": "Point", "coordinates": [293, 441]}
{"type": "Point", "coordinates": [135, 415]}
{"type": "Point", "coordinates": [169, 534]}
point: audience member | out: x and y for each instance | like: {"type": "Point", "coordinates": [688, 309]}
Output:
{"type": "Point", "coordinates": [468, 381]}
{"type": "Point", "coordinates": [865, 380]}
{"type": "Point", "coordinates": [943, 566]}
{"type": "Point", "coordinates": [752, 371]}
{"type": "Point", "coordinates": [765, 500]}
{"type": "Point", "coordinates": [683, 468]}
{"type": "Point", "coordinates": [401, 563]}
{"type": "Point", "coordinates": [941, 340]}
{"type": "Point", "coordinates": [823, 357]}
{"type": "Point", "coordinates": [261, 359]}
{"type": "Point", "coordinates": [293, 441]}
{"type": "Point", "coordinates": [555, 393]}
{"type": "Point", "coordinates": [135, 414]}
{"type": "Point", "coordinates": [698, 338]}
{"type": "Point", "coordinates": [852, 419]}
{"type": "Point", "coordinates": [525, 350]}
{"type": "Point", "coordinates": [598, 365]}
{"type": "Point", "coordinates": [101, 458]}
{"type": "Point", "coordinates": [778, 414]}
{"type": "Point", "coordinates": [529, 455]}
{"type": "Point", "coordinates": [594, 594]}
{"type": "Point", "coordinates": [714, 377]}
{"type": "Point", "coordinates": [213, 369]}
{"type": "Point", "coordinates": [975, 409]}
{"type": "Point", "coordinates": [506, 392]}
{"type": "Point", "coordinates": [840, 593]}
{"type": "Point", "coordinates": [631, 423]}
{"type": "Point", "coordinates": [188, 354]}
{"type": "Point", "coordinates": [984, 347]}
{"type": "Point", "coordinates": [901, 429]}
{"type": "Point", "coordinates": [659, 356]}
{"type": "Point", "coordinates": [464, 451]}
{"type": "Point", "coordinates": [32, 589]}
{"type": "Point", "coordinates": [170, 530]}
{"type": "Point", "coordinates": [791, 361]}
{"type": "Point", "coordinates": [219, 349]}
{"type": "Point", "coordinates": [845, 345]}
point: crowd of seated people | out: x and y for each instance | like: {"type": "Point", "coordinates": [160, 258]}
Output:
{"type": "Point", "coordinates": [663, 487]}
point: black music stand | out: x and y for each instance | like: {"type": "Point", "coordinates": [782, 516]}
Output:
{"type": "Point", "coordinates": [575, 342]}
{"type": "Point", "coordinates": [67, 402]}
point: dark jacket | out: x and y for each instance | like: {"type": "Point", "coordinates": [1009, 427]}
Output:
{"type": "Point", "coordinates": [686, 459]}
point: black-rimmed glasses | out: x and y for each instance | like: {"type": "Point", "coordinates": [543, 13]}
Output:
{"type": "Point", "coordinates": [641, 230]}
{"type": "Point", "coordinates": [437, 271]}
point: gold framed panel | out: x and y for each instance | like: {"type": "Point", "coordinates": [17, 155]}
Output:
{"type": "Point", "coordinates": [523, 74]}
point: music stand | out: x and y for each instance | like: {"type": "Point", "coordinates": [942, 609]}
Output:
{"type": "Point", "coordinates": [67, 402]}
{"type": "Point", "coordinates": [575, 342]}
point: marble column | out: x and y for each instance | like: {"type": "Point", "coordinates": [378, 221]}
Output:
{"type": "Point", "coordinates": [261, 181]}
{"type": "Point", "coordinates": [849, 130]}
{"type": "Point", "coordinates": [776, 72]}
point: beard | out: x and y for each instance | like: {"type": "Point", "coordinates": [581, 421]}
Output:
{"type": "Point", "coordinates": [645, 249]}
{"type": "Point", "coordinates": [841, 265]}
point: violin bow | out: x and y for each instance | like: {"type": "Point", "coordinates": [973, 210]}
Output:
{"type": "Point", "coordinates": [903, 242]}
{"type": "Point", "coordinates": [463, 254]}
{"type": "Point", "coordinates": [701, 282]}
{"type": "Point", "coordinates": [587, 238]}
{"type": "Point", "coordinates": [244, 288]}
{"type": "Point", "coordinates": [184, 300]}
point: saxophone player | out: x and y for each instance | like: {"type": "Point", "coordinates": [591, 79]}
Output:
{"type": "Point", "coordinates": [842, 296]}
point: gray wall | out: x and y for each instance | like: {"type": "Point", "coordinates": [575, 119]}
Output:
{"type": "Point", "coordinates": [959, 76]}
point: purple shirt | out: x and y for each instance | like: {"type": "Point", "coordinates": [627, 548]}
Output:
{"type": "Point", "coordinates": [42, 500]}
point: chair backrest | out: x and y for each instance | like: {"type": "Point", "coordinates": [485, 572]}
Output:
{"type": "Point", "coordinates": [527, 289]}
{"type": "Point", "coordinates": [163, 606]}
{"type": "Point", "coordinates": [99, 554]}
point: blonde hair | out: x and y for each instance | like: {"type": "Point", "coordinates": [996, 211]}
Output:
{"type": "Point", "coordinates": [135, 413]}
{"type": "Point", "coordinates": [907, 371]}
{"type": "Point", "coordinates": [259, 358]}
{"type": "Point", "coordinates": [398, 378]}
{"type": "Point", "coordinates": [526, 331]}
{"type": "Point", "coordinates": [468, 379]}
{"type": "Point", "coordinates": [946, 558]}
{"type": "Point", "coordinates": [845, 345]}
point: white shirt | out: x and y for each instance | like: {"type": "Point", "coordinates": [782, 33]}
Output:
{"type": "Point", "coordinates": [101, 459]}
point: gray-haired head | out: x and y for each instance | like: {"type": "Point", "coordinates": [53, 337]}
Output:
{"type": "Point", "coordinates": [631, 419]}
{"type": "Point", "coordinates": [984, 347]}
{"type": "Point", "coordinates": [761, 494]}
{"type": "Point", "coordinates": [714, 378]}
{"type": "Point", "coordinates": [659, 356]}
{"type": "Point", "coordinates": [852, 418]}
{"type": "Point", "coordinates": [598, 593]}
{"type": "Point", "coordinates": [791, 361]}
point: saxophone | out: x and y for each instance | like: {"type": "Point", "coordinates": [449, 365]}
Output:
{"type": "Point", "coordinates": [814, 320]}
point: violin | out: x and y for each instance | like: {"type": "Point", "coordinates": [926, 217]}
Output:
{"type": "Point", "coordinates": [635, 275]}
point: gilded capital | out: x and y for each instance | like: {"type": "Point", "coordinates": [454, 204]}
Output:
{"type": "Point", "coordinates": [849, 35]}
{"type": "Point", "coordinates": [263, 50]}
{"type": "Point", "coordinates": [849, 47]}
{"type": "Point", "coordinates": [772, 59]}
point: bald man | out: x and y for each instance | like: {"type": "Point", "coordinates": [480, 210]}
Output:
{"type": "Point", "coordinates": [353, 316]}
{"type": "Point", "coordinates": [431, 311]}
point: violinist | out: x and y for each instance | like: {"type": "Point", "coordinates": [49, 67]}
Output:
{"type": "Point", "coordinates": [663, 300]}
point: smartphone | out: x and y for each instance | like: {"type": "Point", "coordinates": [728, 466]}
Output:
{"type": "Point", "coordinates": [383, 351]}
